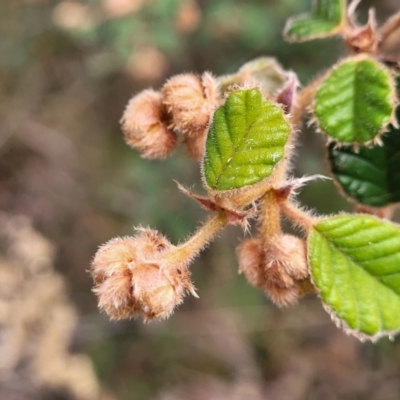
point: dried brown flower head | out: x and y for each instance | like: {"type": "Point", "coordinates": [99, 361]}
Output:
{"type": "Point", "coordinates": [133, 277]}
{"type": "Point", "coordinates": [145, 127]}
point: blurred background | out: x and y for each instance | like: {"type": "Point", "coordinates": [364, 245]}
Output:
{"type": "Point", "coordinates": [68, 183]}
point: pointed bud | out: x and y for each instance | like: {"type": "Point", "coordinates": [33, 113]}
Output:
{"type": "Point", "coordinates": [145, 127]}
{"type": "Point", "coordinates": [132, 277]}
{"type": "Point", "coordinates": [287, 95]}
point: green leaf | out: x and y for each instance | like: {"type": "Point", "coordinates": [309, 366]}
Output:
{"type": "Point", "coordinates": [371, 176]}
{"type": "Point", "coordinates": [355, 264]}
{"type": "Point", "coordinates": [355, 102]}
{"type": "Point", "coordinates": [325, 20]}
{"type": "Point", "coordinates": [245, 141]}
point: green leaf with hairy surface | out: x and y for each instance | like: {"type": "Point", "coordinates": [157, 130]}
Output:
{"type": "Point", "coordinates": [355, 102]}
{"type": "Point", "coordinates": [371, 176]}
{"type": "Point", "coordinates": [245, 141]}
{"type": "Point", "coordinates": [355, 264]}
{"type": "Point", "coordinates": [325, 20]}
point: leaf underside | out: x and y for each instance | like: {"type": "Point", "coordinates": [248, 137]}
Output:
{"type": "Point", "coordinates": [355, 264]}
{"type": "Point", "coordinates": [355, 102]}
{"type": "Point", "coordinates": [245, 141]}
{"type": "Point", "coordinates": [371, 176]}
{"type": "Point", "coordinates": [265, 71]}
{"type": "Point", "coordinates": [324, 21]}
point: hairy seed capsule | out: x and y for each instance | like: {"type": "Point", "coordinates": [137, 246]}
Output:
{"type": "Point", "coordinates": [131, 278]}
{"type": "Point", "coordinates": [145, 127]}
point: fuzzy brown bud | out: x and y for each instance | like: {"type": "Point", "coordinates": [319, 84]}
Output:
{"type": "Point", "coordinates": [250, 256]}
{"type": "Point", "coordinates": [277, 268]}
{"type": "Point", "coordinates": [145, 127]}
{"type": "Point", "coordinates": [285, 264]}
{"type": "Point", "coordinates": [195, 145]}
{"type": "Point", "coordinates": [190, 100]}
{"type": "Point", "coordinates": [132, 277]}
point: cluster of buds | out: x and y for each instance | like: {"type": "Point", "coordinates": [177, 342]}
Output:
{"type": "Point", "coordinates": [244, 165]}
{"type": "Point", "coordinates": [146, 275]}
{"type": "Point", "coordinates": [153, 120]}
{"type": "Point", "coordinates": [134, 277]}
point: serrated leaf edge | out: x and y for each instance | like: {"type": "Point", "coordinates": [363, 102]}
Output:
{"type": "Point", "coordinates": [266, 183]}
{"type": "Point", "coordinates": [394, 99]}
{"type": "Point", "coordinates": [339, 322]}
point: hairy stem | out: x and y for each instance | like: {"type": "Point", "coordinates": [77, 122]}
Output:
{"type": "Point", "coordinates": [296, 215]}
{"type": "Point", "coordinates": [270, 217]}
{"type": "Point", "coordinates": [186, 251]}
{"type": "Point", "coordinates": [390, 27]}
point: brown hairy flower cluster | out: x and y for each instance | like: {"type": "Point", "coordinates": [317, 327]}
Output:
{"type": "Point", "coordinates": [133, 277]}
{"type": "Point", "coordinates": [190, 100]}
{"type": "Point", "coordinates": [276, 267]}
{"type": "Point", "coordinates": [144, 125]}
{"type": "Point", "coordinates": [184, 106]}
